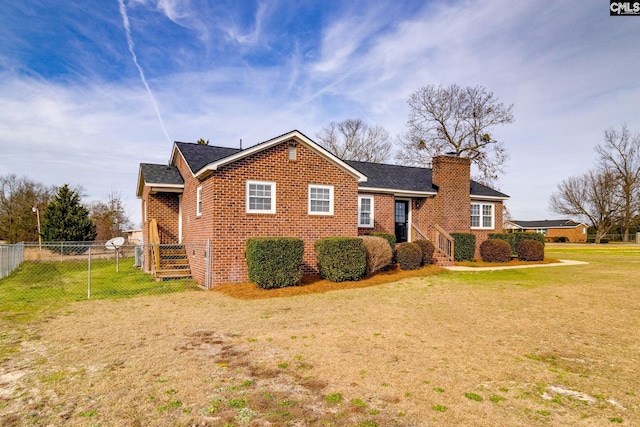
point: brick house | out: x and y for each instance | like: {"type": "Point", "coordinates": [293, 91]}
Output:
{"type": "Point", "coordinates": [551, 229]}
{"type": "Point", "coordinates": [291, 186]}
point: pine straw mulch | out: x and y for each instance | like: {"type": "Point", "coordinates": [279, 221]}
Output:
{"type": "Point", "coordinates": [313, 284]}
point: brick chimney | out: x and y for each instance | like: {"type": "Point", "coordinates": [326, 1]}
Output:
{"type": "Point", "coordinates": [452, 205]}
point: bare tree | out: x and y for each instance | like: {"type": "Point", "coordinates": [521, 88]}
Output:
{"type": "Point", "coordinates": [620, 153]}
{"type": "Point", "coordinates": [353, 139]}
{"type": "Point", "coordinates": [592, 197]}
{"type": "Point", "coordinates": [458, 120]}
{"type": "Point", "coordinates": [18, 198]}
{"type": "Point", "coordinates": [109, 217]}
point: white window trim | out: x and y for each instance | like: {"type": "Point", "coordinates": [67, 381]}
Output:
{"type": "Point", "coordinates": [330, 187]}
{"type": "Point", "coordinates": [199, 200]}
{"type": "Point", "coordinates": [371, 212]}
{"type": "Point", "coordinates": [493, 215]}
{"type": "Point", "coordinates": [273, 198]}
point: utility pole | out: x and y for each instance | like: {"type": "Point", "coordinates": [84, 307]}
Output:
{"type": "Point", "coordinates": [37, 212]}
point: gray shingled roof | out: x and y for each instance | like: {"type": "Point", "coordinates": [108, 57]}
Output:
{"type": "Point", "coordinates": [161, 174]}
{"type": "Point", "coordinates": [394, 177]}
{"type": "Point", "coordinates": [198, 156]}
{"type": "Point", "coordinates": [379, 175]}
{"type": "Point", "coordinates": [407, 178]}
{"type": "Point", "coordinates": [547, 223]}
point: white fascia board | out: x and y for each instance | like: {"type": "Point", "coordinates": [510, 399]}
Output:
{"type": "Point", "coordinates": [299, 137]}
{"type": "Point", "coordinates": [488, 198]}
{"type": "Point", "coordinates": [174, 153]}
{"type": "Point", "coordinates": [402, 193]}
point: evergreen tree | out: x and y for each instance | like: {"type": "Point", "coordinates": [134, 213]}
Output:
{"type": "Point", "coordinates": [66, 219]}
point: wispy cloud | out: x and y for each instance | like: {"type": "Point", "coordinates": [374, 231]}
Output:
{"type": "Point", "coordinates": [127, 28]}
{"type": "Point", "coordinates": [225, 71]}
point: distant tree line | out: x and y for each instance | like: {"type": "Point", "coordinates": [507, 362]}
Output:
{"type": "Point", "coordinates": [63, 216]}
{"type": "Point", "coordinates": [608, 195]}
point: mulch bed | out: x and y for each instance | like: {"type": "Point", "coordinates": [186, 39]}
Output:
{"type": "Point", "coordinates": [312, 284]}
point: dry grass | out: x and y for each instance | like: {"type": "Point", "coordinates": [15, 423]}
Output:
{"type": "Point", "coordinates": [530, 347]}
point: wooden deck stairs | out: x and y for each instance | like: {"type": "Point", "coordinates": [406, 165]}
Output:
{"type": "Point", "coordinates": [441, 259]}
{"type": "Point", "coordinates": [168, 261]}
{"type": "Point", "coordinates": [174, 263]}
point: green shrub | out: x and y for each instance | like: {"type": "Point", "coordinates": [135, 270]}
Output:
{"type": "Point", "coordinates": [531, 250]}
{"type": "Point", "coordinates": [391, 238]}
{"type": "Point", "coordinates": [465, 246]}
{"type": "Point", "coordinates": [510, 238]}
{"type": "Point", "coordinates": [409, 256]}
{"type": "Point", "coordinates": [341, 258]}
{"type": "Point", "coordinates": [521, 237]}
{"type": "Point", "coordinates": [495, 250]}
{"type": "Point", "coordinates": [427, 249]}
{"type": "Point", "coordinates": [379, 253]}
{"type": "Point", "coordinates": [274, 262]}
{"type": "Point", "coordinates": [561, 239]}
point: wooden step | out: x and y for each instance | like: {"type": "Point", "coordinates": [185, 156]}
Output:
{"type": "Point", "coordinates": [174, 263]}
{"type": "Point", "coordinates": [181, 273]}
{"type": "Point", "coordinates": [441, 259]}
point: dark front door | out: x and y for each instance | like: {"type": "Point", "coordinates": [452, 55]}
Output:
{"type": "Point", "coordinates": [402, 220]}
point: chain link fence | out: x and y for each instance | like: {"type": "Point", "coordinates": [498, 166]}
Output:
{"type": "Point", "coordinates": [72, 271]}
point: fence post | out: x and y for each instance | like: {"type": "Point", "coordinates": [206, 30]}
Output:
{"type": "Point", "coordinates": [208, 265]}
{"type": "Point", "coordinates": [89, 275]}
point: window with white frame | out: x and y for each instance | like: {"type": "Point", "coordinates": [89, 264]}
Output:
{"type": "Point", "coordinates": [365, 211]}
{"type": "Point", "coordinates": [199, 200]}
{"type": "Point", "coordinates": [320, 199]}
{"type": "Point", "coordinates": [482, 215]}
{"type": "Point", "coordinates": [261, 197]}
{"type": "Point", "coordinates": [542, 231]}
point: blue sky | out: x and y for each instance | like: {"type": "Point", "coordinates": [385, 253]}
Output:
{"type": "Point", "coordinates": [76, 108]}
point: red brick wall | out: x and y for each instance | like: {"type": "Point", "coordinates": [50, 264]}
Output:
{"type": "Point", "coordinates": [224, 219]}
{"type": "Point", "coordinates": [383, 214]}
{"type": "Point", "coordinates": [482, 235]}
{"type": "Point", "coordinates": [452, 204]}
{"type": "Point", "coordinates": [164, 208]}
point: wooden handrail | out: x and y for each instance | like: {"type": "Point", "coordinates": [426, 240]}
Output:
{"type": "Point", "coordinates": [444, 242]}
{"type": "Point", "coordinates": [422, 235]}
{"type": "Point", "coordinates": [154, 240]}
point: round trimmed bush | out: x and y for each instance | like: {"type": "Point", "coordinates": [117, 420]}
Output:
{"type": "Point", "coordinates": [274, 262]}
{"type": "Point", "coordinates": [409, 256]}
{"type": "Point", "coordinates": [379, 253]}
{"type": "Point", "coordinates": [341, 258]}
{"type": "Point", "coordinates": [495, 250]}
{"type": "Point", "coordinates": [427, 249]}
{"type": "Point", "coordinates": [531, 250]}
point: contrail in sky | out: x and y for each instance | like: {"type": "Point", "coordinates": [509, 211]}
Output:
{"type": "Point", "coordinates": [127, 29]}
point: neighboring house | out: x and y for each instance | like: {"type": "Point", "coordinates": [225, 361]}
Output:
{"type": "Point", "coordinates": [133, 236]}
{"type": "Point", "coordinates": [552, 229]}
{"type": "Point", "coordinates": [291, 186]}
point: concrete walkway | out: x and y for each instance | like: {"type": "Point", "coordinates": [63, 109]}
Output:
{"type": "Point", "coordinates": [562, 262]}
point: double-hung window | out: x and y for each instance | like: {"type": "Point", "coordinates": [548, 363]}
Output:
{"type": "Point", "coordinates": [320, 199]}
{"type": "Point", "coordinates": [365, 211]}
{"type": "Point", "coordinates": [199, 201]}
{"type": "Point", "coordinates": [261, 197]}
{"type": "Point", "coordinates": [482, 215]}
